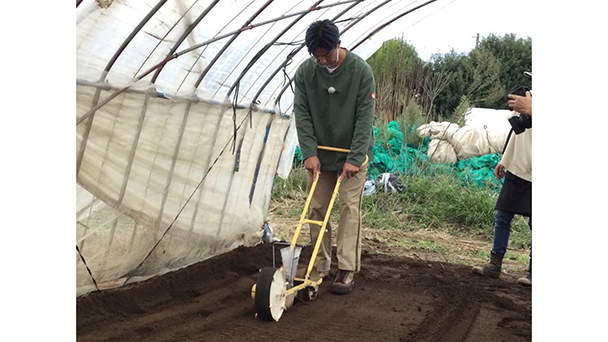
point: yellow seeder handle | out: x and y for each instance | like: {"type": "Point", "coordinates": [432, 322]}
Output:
{"type": "Point", "coordinates": [344, 150]}
{"type": "Point", "coordinates": [323, 223]}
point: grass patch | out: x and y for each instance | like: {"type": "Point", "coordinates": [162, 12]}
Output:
{"type": "Point", "coordinates": [484, 255]}
{"type": "Point", "coordinates": [432, 200]}
{"type": "Point", "coordinates": [294, 187]}
{"type": "Point", "coordinates": [441, 198]}
{"type": "Point", "coordinates": [433, 246]}
{"type": "Point", "coordinates": [404, 242]}
{"type": "Point", "coordinates": [520, 259]}
{"type": "Point", "coordinates": [521, 234]}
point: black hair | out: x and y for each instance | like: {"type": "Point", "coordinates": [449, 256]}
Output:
{"type": "Point", "coordinates": [323, 34]}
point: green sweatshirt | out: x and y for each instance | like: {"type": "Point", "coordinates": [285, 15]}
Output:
{"type": "Point", "coordinates": [343, 119]}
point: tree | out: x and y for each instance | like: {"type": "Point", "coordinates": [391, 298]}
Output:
{"type": "Point", "coordinates": [450, 97]}
{"type": "Point", "coordinates": [469, 85]}
{"type": "Point", "coordinates": [515, 57]}
{"type": "Point", "coordinates": [395, 66]}
{"type": "Point", "coordinates": [483, 76]}
{"type": "Point", "coordinates": [436, 78]}
{"type": "Point", "coordinates": [448, 83]}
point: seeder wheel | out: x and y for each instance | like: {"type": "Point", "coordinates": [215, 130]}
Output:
{"type": "Point", "coordinates": [270, 294]}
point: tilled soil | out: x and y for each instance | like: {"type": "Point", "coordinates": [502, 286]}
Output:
{"type": "Point", "coordinates": [394, 299]}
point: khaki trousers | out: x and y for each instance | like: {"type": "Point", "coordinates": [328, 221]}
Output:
{"type": "Point", "coordinates": [349, 226]}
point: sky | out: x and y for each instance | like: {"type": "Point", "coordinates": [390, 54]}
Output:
{"type": "Point", "coordinates": [446, 24]}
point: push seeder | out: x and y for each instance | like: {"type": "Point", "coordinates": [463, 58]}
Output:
{"type": "Point", "coordinates": [277, 287]}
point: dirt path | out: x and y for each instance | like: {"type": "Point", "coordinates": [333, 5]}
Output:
{"type": "Point", "coordinates": [422, 244]}
{"type": "Point", "coordinates": [396, 298]}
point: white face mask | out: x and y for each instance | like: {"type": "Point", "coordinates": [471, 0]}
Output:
{"type": "Point", "coordinates": [333, 66]}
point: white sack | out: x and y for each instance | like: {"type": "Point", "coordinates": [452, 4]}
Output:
{"type": "Point", "coordinates": [497, 140]}
{"type": "Point", "coordinates": [494, 121]}
{"type": "Point", "coordinates": [470, 141]}
{"type": "Point", "coordinates": [437, 130]}
{"type": "Point", "coordinates": [441, 151]}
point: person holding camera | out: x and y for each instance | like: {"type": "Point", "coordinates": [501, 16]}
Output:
{"type": "Point", "coordinates": [516, 193]}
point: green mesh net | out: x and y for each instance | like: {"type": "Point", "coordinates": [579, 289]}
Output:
{"type": "Point", "coordinates": [393, 155]}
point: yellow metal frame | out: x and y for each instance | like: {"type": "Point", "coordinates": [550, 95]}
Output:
{"type": "Point", "coordinates": [306, 281]}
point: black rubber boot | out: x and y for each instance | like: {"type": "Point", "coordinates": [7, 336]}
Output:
{"type": "Point", "coordinates": [491, 269]}
{"type": "Point", "coordinates": [527, 280]}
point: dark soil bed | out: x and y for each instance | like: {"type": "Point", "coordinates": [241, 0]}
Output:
{"type": "Point", "coordinates": [394, 299]}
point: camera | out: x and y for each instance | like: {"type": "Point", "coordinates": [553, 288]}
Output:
{"type": "Point", "coordinates": [520, 122]}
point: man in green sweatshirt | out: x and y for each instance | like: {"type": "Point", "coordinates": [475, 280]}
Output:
{"type": "Point", "coordinates": [334, 107]}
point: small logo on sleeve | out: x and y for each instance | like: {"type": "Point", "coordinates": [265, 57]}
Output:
{"type": "Point", "coordinates": [373, 96]}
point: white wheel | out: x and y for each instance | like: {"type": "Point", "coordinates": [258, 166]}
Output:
{"type": "Point", "coordinates": [270, 294]}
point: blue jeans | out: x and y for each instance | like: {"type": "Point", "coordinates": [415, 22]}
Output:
{"type": "Point", "coordinates": [502, 229]}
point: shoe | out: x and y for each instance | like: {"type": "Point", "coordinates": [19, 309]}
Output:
{"type": "Point", "coordinates": [527, 280]}
{"type": "Point", "coordinates": [343, 283]}
{"type": "Point", "coordinates": [491, 269]}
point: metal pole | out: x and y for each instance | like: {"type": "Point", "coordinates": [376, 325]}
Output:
{"type": "Point", "coordinates": [265, 48]}
{"type": "Point", "coordinates": [188, 30]}
{"type": "Point", "coordinates": [390, 22]}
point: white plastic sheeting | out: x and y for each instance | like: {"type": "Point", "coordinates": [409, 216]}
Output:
{"type": "Point", "coordinates": [485, 131]}
{"type": "Point", "coordinates": [182, 119]}
{"type": "Point", "coordinates": [171, 171]}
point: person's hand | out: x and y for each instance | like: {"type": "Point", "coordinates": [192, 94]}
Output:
{"type": "Point", "coordinates": [499, 172]}
{"type": "Point", "coordinates": [313, 165]}
{"type": "Point", "coordinates": [521, 104]}
{"type": "Point", "coordinates": [349, 170]}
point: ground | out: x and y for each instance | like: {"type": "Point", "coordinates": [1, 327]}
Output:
{"type": "Point", "coordinates": [413, 286]}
